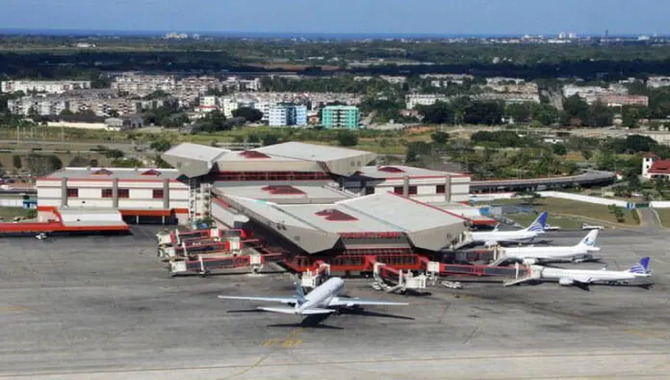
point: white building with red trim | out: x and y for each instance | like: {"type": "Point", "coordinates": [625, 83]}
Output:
{"type": "Point", "coordinates": [654, 167]}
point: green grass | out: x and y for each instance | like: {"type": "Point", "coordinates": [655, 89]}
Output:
{"type": "Point", "coordinates": [664, 216]}
{"type": "Point", "coordinates": [573, 211]}
{"type": "Point", "coordinates": [8, 213]}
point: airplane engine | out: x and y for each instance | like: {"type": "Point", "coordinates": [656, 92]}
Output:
{"type": "Point", "coordinates": [529, 261]}
{"type": "Point", "coordinates": [565, 282]}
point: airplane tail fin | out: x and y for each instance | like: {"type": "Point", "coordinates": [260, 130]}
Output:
{"type": "Point", "coordinates": [642, 267]}
{"type": "Point", "coordinates": [299, 293]}
{"type": "Point", "coordinates": [589, 240]}
{"type": "Point", "coordinates": [539, 223]}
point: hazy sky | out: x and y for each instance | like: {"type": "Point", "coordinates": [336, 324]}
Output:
{"type": "Point", "coordinates": [344, 16]}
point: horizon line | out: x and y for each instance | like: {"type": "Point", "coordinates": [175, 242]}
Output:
{"type": "Point", "coordinates": [137, 32]}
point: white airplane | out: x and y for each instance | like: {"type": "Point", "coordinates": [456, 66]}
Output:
{"type": "Point", "coordinates": [578, 253]}
{"type": "Point", "coordinates": [583, 277]}
{"type": "Point", "coordinates": [322, 300]}
{"type": "Point", "coordinates": [495, 237]}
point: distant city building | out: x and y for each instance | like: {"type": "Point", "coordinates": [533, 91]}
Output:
{"type": "Point", "coordinates": [414, 100]}
{"type": "Point", "coordinates": [591, 94]}
{"type": "Point", "coordinates": [143, 85]}
{"type": "Point", "coordinates": [99, 102]}
{"type": "Point", "coordinates": [49, 87]}
{"type": "Point", "coordinates": [340, 117]}
{"type": "Point", "coordinates": [658, 81]}
{"type": "Point", "coordinates": [624, 100]}
{"type": "Point", "coordinates": [287, 115]}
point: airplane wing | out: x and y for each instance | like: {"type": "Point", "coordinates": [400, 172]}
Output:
{"type": "Point", "coordinates": [350, 302]}
{"type": "Point", "coordinates": [286, 300]}
{"type": "Point", "coordinates": [582, 279]}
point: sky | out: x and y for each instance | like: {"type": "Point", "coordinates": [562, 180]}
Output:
{"type": "Point", "coordinates": [344, 16]}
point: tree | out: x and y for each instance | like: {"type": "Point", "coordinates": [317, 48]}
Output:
{"type": "Point", "coordinates": [617, 212]}
{"type": "Point", "coordinates": [347, 138]}
{"type": "Point", "coordinates": [160, 145]}
{"type": "Point", "coordinates": [66, 112]}
{"type": "Point", "coordinates": [587, 154]}
{"type": "Point", "coordinates": [488, 113]}
{"type": "Point", "coordinates": [438, 113]}
{"type": "Point", "coordinates": [439, 137]}
{"type": "Point", "coordinates": [544, 113]}
{"type": "Point", "coordinates": [576, 111]}
{"type": "Point", "coordinates": [559, 149]}
{"type": "Point", "coordinates": [520, 112]}
{"type": "Point", "coordinates": [113, 113]}
{"type": "Point", "coordinates": [600, 115]}
{"type": "Point", "coordinates": [16, 160]}
{"type": "Point", "coordinates": [629, 117]}
{"type": "Point", "coordinates": [40, 165]}
{"type": "Point", "coordinates": [252, 115]}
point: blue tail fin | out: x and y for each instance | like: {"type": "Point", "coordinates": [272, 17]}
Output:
{"type": "Point", "coordinates": [590, 239]}
{"type": "Point", "coordinates": [539, 223]}
{"type": "Point", "coordinates": [299, 293]}
{"type": "Point", "coordinates": [642, 267]}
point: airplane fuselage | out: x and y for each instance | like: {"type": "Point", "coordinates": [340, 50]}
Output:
{"type": "Point", "coordinates": [594, 275]}
{"type": "Point", "coordinates": [548, 253]}
{"type": "Point", "coordinates": [504, 236]}
{"type": "Point", "coordinates": [323, 294]}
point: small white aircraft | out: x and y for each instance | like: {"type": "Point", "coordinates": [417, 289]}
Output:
{"type": "Point", "coordinates": [582, 278]}
{"type": "Point", "coordinates": [322, 300]}
{"type": "Point", "coordinates": [495, 237]}
{"type": "Point", "coordinates": [578, 253]}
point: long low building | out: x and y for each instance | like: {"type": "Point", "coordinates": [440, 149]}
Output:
{"type": "Point", "coordinates": [155, 195]}
{"type": "Point", "coordinates": [312, 199]}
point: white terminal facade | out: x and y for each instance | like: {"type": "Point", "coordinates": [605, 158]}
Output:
{"type": "Point", "coordinates": [209, 182]}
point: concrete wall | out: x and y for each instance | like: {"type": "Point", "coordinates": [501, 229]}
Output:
{"type": "Point", "coordinates": [553, 194]}
{"type": "Point", "coordinates": [659, 204]}
{"type": "Point", "coordinates": [583, 198]}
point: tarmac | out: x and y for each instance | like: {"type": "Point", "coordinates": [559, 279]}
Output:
{"type": "Point", "coordinates": [104, 307]}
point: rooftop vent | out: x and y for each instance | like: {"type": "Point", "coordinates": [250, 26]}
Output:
{"type": "Point", "coordinates": [152, 172]}
{"type": "Point", "coordinates": [253, 154]}
{"type": "Point", "coordinates": [335, 215]}
{"type": "Point", "coordinates": [102, 171]}
{"type": "Point", "coordinates": [390, 169]}
{"type": "Point", "coordinates": [282, 189]}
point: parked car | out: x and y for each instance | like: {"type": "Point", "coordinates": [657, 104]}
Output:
{"type": "Point", "coordinates": [549, 227]}
{"type": "Point", "coordinates": [592, 227]}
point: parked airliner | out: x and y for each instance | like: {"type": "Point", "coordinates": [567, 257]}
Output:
{"type": "Point", "coordinates": [582, 251]}
{"type": "Point", "coordinates": [495, 237]}
{"type": "Point", "coordinates": [324, 299]}
{"type": "Point", "coordinates": [583, 277]}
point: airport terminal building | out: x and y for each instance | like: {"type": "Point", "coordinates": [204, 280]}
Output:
{"type": "Point", "coordinates": [308, 199]}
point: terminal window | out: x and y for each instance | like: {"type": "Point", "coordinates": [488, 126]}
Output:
{"type": "Point", "coordinates": [124, 193]}
{"type": "Point", "coordinates": [441, 189]}
{"type": "Point", "coordinates": [107, 193]}
{"type": "Point", "coordinates": [73, 193]}
{"type": "Point", "coordinates": [158, 194]}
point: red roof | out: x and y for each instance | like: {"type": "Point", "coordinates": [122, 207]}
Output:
{"type": "Point", "coordinates": [390, 169]}
{"type": "Point", "coordinates": [102, 171]}
{"type": "Point", "coordinates": [335, 215]}
{"type": "Point", "coordinates": [153, 172]}
{"type": "Point", "coordinates": [660, 167]}
{"type": "Point", "coordinates": [253, 154]}
{"type": "Point", "coordinates": [282, 189]}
